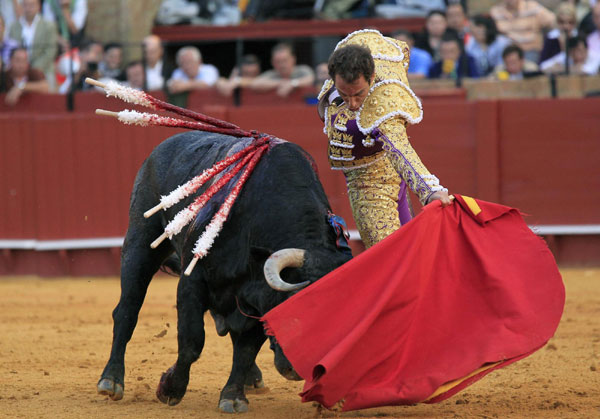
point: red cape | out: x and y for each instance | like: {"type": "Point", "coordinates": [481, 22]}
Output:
{"type": "Point", "coordinates": [451, 291]}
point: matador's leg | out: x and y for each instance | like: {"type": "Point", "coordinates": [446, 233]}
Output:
{"type": "Point", "coordinates": [373, 193]}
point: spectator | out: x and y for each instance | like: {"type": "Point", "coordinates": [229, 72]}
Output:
{"type": "Point", "coordinates": [67, 66]}
{"type": "Point", "coordinates": [39, 36]}
{"type": "Point", "coordinates": [457, 20]}
{"type": "Point", "coordinates": [70, 17]}
{"type": "Point", "coordinates": [6, 44]}
{"type": "Point", "coordinates": [173, 12]}
{"type": "Point", "coordinates": [555, 40]}
{"type": "Point", "coordinates": [21, 78]}
{"type": "Point", "coordinates": [343, 9]}
{"type": "Point", "coordinates": [515, 66]}
{"type": "Point", "coordinates": [523, 22]}
{"type": "Point", "coordinates": [191, 74]}
{"type": "Point", "coordinates": [241, 76]}
{"type": "Point", "coordinates": [581, 61]}
{"type": "Point", "coordinates": [407, 8]}
{"type": "Point", "coordinates": [430, 38]}
{"type": "Point", "coordinates": [90, 55]}
{"type": "Point", "coordinates": [262, 10]}
{"type": "Point", "coordinates": [321, 74]}
{"type": "Point", "coordinates": [593, 39]}
{"type": "Point", "coordinates": [134, 75]}
{"type": "Point", "coordinates": [111, 65]}
{"type": "Point", "coordinates": [582, 10]}
{"type": "Point", "coordinates": [454, 62]}
{"type": "Point", "coordinates": [285, 75]}
{"type": "Point", "coordinates": [486, 44]}
{"type": "Point", "coordinates": [158, 70]}
{"type": "Point", "coordinates": [420, 60]}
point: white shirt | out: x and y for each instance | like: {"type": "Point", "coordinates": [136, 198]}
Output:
{"type": "Point", "coordinates": [593, 41]}
{"type": "Point", "coordinates": [78, 14]}
{"type": "Point", "coordinates": [28, 31]}
{"type": "Point", "coordinates": [207, 73]}
{"type": "Point", "coordinates": [590, 67]}
{"type": "Point", "coordinates": [154, 77]}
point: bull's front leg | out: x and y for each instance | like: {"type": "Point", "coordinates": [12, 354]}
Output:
{"type": "Point", "coordinates": [191, 305]}
{"type": "Point", "coordinates": [245, 348]}
{"type": "Point", "coordinates": [139, 263]}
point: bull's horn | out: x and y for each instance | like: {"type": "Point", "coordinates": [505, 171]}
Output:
{"type": "Point", "coordinates": [284, 258]}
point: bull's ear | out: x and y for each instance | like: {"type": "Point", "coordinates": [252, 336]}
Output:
{"type": "Point", "coordinates": [260, 254]}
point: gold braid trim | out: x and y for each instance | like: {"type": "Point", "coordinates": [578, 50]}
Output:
{"type": "Point", "coordinates": [406, 161]}
{"type": "Point", "coordinates": [388, 99]}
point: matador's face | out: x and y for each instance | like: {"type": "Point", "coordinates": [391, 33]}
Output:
{"type": "Point", "coordinates": [353, 93]}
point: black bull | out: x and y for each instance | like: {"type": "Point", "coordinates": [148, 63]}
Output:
{"type": "Point", "coordinates": [281, 206]}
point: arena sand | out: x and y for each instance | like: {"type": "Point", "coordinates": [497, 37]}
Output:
{"type": "Point", "coordinates": [55, 337]}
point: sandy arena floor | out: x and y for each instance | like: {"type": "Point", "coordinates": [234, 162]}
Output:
{"type": "Point", "coordinates": [55, 337]}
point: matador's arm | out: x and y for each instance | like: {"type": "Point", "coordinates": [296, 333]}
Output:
{"type": "Point", "coordinates": [405, 160]}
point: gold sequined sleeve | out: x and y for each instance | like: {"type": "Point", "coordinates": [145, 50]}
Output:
{"type": "Point", "coordinates": [405, 160]}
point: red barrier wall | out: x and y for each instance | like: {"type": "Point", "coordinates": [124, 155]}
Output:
{"type": "Point", "coordinates": [69, 176]}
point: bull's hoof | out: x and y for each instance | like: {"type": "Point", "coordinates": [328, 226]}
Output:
{"type": "Point", "coordinates": [109, 388]}
{"type": "Point", "coordinates": [291, 375]}
{"type": "Point", "coordinates": [233, 406]}
{"type": "Point", "coordinates": [164, 389]}
{"type": "Point", "coordinates": [258, 387]}
{"type": "Point", "coordinates": [169, 401]}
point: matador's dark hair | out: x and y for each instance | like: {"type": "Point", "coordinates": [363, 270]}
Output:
{"type": "Point", "coordinates": [350, 62]}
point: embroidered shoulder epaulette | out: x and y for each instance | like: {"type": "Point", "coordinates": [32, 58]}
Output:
{"type": "Point", "coordinates": [388, 99]}
{"type": "Point", "coordinates": [390, 96]}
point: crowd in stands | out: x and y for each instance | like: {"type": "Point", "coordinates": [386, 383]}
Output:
{"type": "Point", "coordinates": [44, 48]}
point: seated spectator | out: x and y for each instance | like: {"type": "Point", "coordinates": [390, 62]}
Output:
{"type": "Point", "coordinates": [454, 62]}
{"type": "Point", "coordinates": [20, 77]}
{"type": "Point", "coordinates": [342, 9]}
{"type": "Point", "coordinates": [420, 60]}
{"type": "Point", "coordinates": [581, 61]}
{"type": "Point", "coordinates": [486, 44]}
{"type": "Point", "coordinates": [6, 44]}
{"type": "Point", "coordinates": [523, 21]}
{"type": "Point", "coordinates": [134, 75]}
{"type": "Point", "coordinates": [555, 40]}
{"type": "Point", "coordinates": [70, 17]}
{"type": "Point", "coordinates": [321, 75]}
{"type": "Point", "coordinates": [111, 65]}
{"type": "Point", "coordinates": [285, 75]}
{"type": "Point", "coordinates": [191, 73]}
{"type": "Point", "coordinates": [582, 8]}
{"type": "Point", "coordinates": [430, 38]}
{"type": "Point", "coordinates": [39, 36]}
{"type": "Point", "coordinates": [67, 66]}
{"type": "Point", "coordinates": [407, 8]}
{"type": "Point", "coordinates": [174, 12]}
{"type": "Point", "coordinates": [241, 76]}
{"type": "Point", "coordinates": [262, 10]}
{"type": "Point", "coordinates": [586, 25]}
{"type": "Point", "coordinates": [158, 70]}
{"type": "Point", "coordinates": [515, 66]}
{"type": "Point", "coordinates": [456, 17]}
{"type": "Point", "coordinates": [90, 56]}
{"type": "Point", "coordinates": [593, 39]}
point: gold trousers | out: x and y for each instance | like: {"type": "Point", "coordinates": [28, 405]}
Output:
{"type": "Point", "coordinates": [374, 192]}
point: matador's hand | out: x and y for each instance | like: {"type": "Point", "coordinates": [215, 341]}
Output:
{"type": "Point", "coordinates": [441, 196]}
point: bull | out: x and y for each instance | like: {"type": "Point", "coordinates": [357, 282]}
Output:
{"type": "Point", "coordinates": [276, 240]}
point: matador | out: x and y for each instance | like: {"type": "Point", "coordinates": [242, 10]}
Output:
{"type": "Point", "coordinates": [365, 107]}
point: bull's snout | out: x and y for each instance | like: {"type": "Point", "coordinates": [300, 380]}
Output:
{"type": "Point", "coordinates": [283, 365]}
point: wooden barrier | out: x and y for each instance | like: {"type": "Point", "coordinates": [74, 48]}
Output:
{"type": "Point", "coordinates": [69, 175]}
